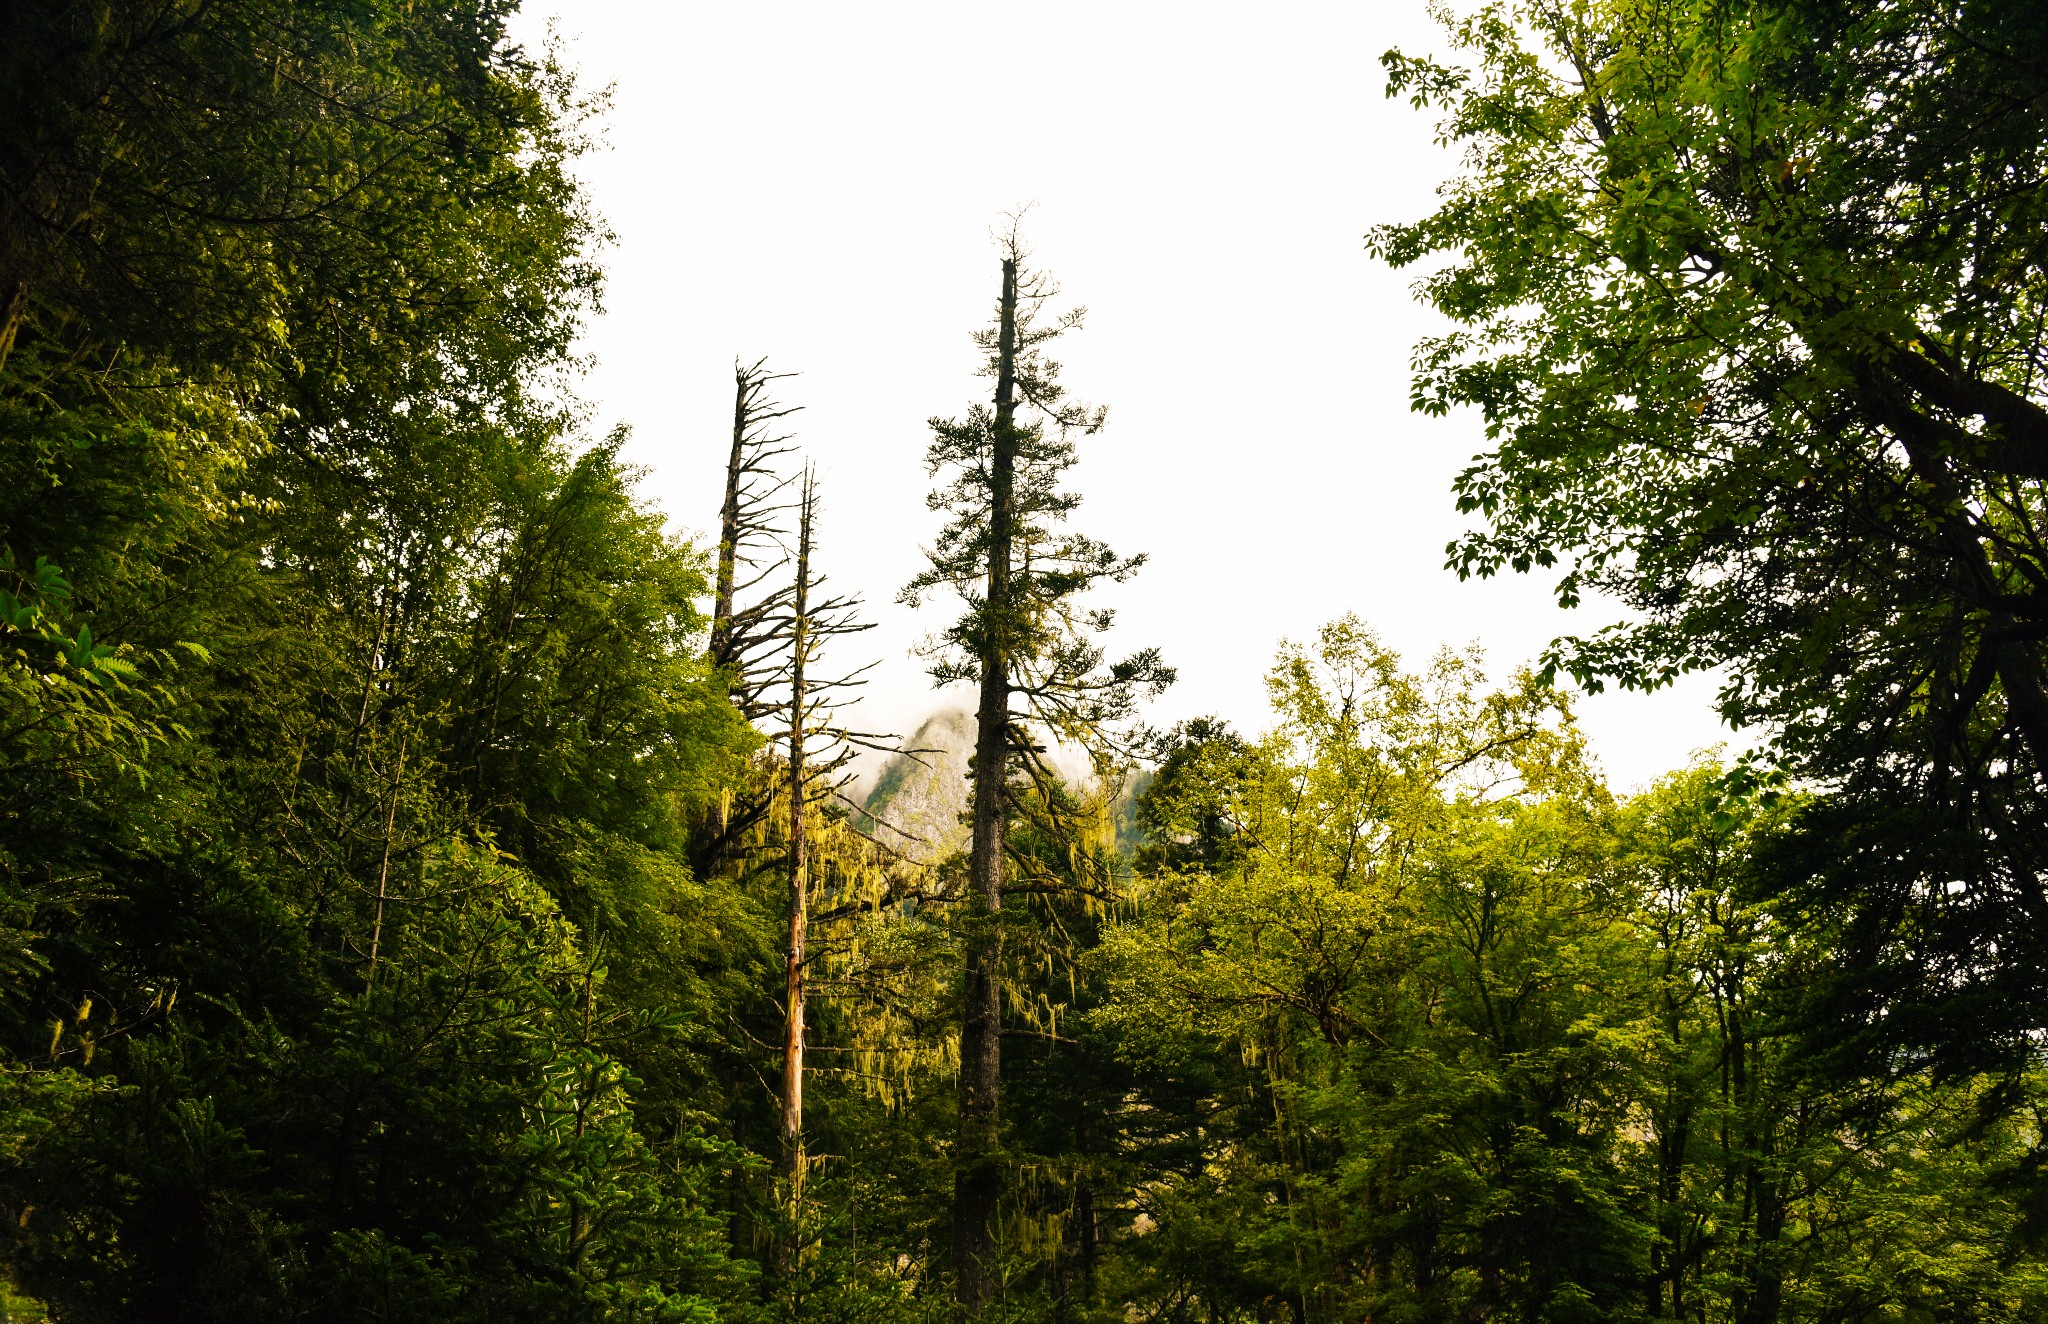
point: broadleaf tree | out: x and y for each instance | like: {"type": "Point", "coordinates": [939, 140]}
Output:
{"type": "Point", "coordinates": [1749, 298]}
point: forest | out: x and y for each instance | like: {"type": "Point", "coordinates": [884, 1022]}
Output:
{"type": "Point", "coordinates": [434, 888]}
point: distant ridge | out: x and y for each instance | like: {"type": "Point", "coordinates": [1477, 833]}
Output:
{"type": "Point", "coordinates": [919, 800]}
{"type": "Point", "coordinates": [919, 797]}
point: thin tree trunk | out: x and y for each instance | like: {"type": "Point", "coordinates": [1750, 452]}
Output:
{"type": "Point", "coordinates": [11, 323]}
{"type": "Point", "coordinates": [384, 869]}
{"type": "Point", "coordinates": [978, 1176]}
{"type": "Point", "coordinates": [579, 1213]}
{"type": "Point", "coordinates": [1088, 1234]}
{"type": "Point", "coordinates": [792, 1152]}
{"type": "Point", "coordinates": [729, 523]}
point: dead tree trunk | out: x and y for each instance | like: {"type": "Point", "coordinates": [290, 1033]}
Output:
{"type": "Point", "coordinates": [746, 637]}
{"type": "Point", "coordinates": [978, 1176]}
{"type": "Point", "coordinates": [817, 752]}
{"type": "Point", "coordinates": [749, 537]}
{"type": "Point", "coordinates": [728, 522]}
{"type": "Point", "coordinates": [792, 1152]}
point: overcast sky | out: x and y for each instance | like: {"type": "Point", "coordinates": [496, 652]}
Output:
{"type": "Point", "coordinates": [818, 183]}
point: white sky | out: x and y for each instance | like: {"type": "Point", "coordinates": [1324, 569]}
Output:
{"type": "Point", "coordinates": [818, 183]}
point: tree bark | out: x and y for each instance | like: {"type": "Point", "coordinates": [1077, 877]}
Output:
{"type": "Point", "coordinates": [1088, 1234]}
{"type": "Point", "coordinates": [978, 1176]}
{"type": "Point", "coordinates": [792, 1153]}
{"type": "Point", "coordinates": [728, 524]}
{"type": "Point", "coordinates": [797, 876]}
{"type": "Point", "coordinates": [384, 869]}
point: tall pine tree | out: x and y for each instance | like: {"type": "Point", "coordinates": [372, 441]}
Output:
{"type": "Point", "coordinates": [1025, 641]}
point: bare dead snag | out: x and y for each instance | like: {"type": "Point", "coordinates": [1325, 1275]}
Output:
{"type": "Point", "coordinates": [750, 548]}
{"type": "Point", "coordinates": [798, 797]}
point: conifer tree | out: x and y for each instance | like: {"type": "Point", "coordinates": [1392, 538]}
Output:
{"type": "Point", "coordinates": [1024, 640]}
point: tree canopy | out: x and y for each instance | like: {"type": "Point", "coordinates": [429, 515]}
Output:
{"type": "Point", "coordinates": [431, 887]}
{"type": "Point", "coordinates": [1747, 297]}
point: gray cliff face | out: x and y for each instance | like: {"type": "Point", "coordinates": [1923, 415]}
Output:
{"type": "Point", "coordinates": [917, 803]}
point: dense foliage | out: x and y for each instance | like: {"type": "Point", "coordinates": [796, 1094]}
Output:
{"type": "Point", "coordinates": [1749, 297]}
{"type": "Point", "coordinates": [1458, 1035]}
{"type": "Point", "coordinates": [396, 863]}
{"type": "Point", "coordinates": [353, 717]}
